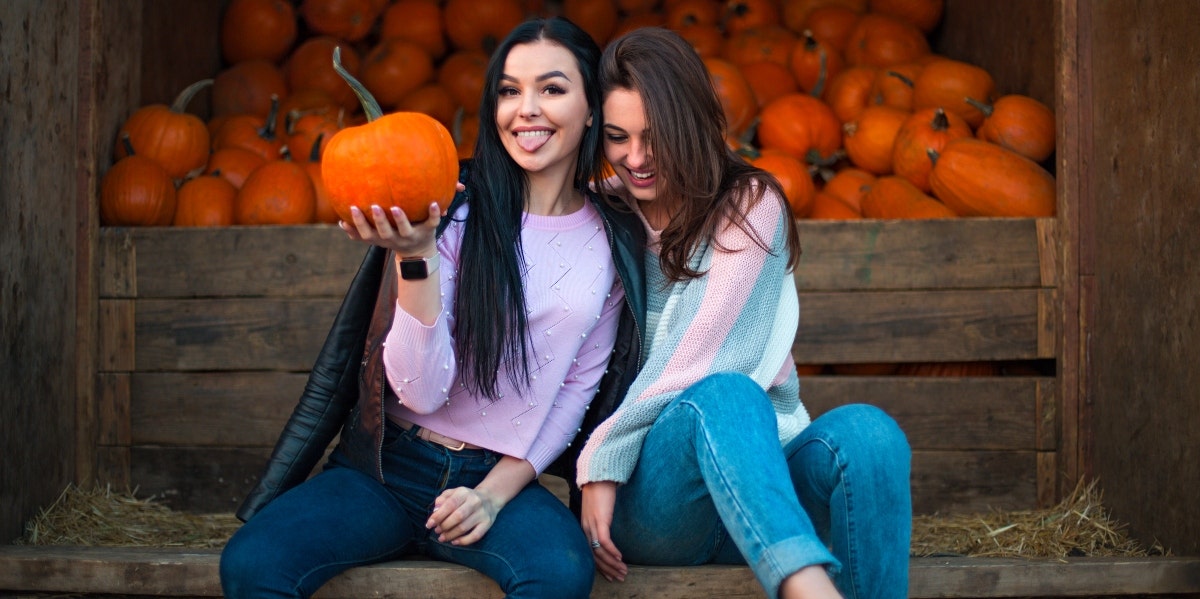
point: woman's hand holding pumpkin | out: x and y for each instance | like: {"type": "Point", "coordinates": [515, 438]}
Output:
{"type": "Point", "coordinates": [403, 237]}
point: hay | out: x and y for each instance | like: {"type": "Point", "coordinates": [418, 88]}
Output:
{"type": "Point", "coordinates": [102, 517]}
{"type": "Point", "coordinates": [1079, 526]}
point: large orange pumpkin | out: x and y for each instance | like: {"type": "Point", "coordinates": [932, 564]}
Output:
{"type": "Point", "coordinates": [205, 201]}
{"type": "Point", "coordinates": [924, 130]}
{"type": "Point", "coordinates": [168, 135]}
{"type": "Point", "coordinates": [979, 178]}
{"type": "Point", "coordinates": [1019, 123]}
{"type": "Point", "coordinates": [404, 159]}
{"type": "Point", "coordinates": [136, 191]}
{"type": "Point", "coordinates": [802, 126]}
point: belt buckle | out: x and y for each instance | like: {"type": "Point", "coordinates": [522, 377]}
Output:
{"type": "Point", "coordinates": [430, 437]}
{"type": "Point", "coordinates": [461, 446]}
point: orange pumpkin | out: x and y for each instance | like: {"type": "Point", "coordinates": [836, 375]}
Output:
{"type": "Point", "coordinates": [349, 20]}
{"type": "Point", "coordinates": [597, 17]}
{"type": "Point", "coordinates": [893, 86]}
{"type": "Point", "coordinates": [793, 176]}
{"type": "Point", "coordinates": [276, 193]}
{"type": "Point", "coordinates": [205, 201]}
{"type": "Point", "coordinates": [254, 133]}
{"type": "Point", "coordinates": [629, 22]}
{"type": "Point", "coordinates": [323, 211]}
{"type": "Point", "coordinates": [707, 40]}
{"type": "Point", "coordinates": [737, 98]}
{"type": "Point", "coordinates": [740, 15]}
{"type": "Point", "coordinates": [480, 24]}
{"type": "Point", "coordinates": [894, 197]}
{"type": "Point", "coordinates": [772, 43]}
{"type": "Point", "coordinates": [814, 63]}
{"type": "Point", "coordinates": [686, 13]}
{"type": "Point", "coordinates": [796, 11]}
{"type": "Point", "coordinates": [168, 135]}
{"type": "Point", "coordinates": [405, 159]}
{"type": "Point", "coordinates": [979, 178]}
{"type": "Point", "coordinates": [246, 88]}
{"type": "Point", "coordinates": [418, 21]}
{"type": "Point", "coordinates": [636, 7]}
{"type": "Point", "coordinates": [802, 126]}
{"type": "Point", "coordinates": [769, 80]}
{"type": "Point", "coordinates": [465, 131]}
{"type": "Point", "coordinates": [849, 93]}
{"type": "Point", "coordinates": [234, 164]}
{"type": "Point", "coordinates": [1019, 123]}
{"type": "Point", "coordinates": [951, 84]}
{"type": "Point", "coordinates": [826, 206]}
{"type": "Point", "coordinates": [305, 133]}
{"type": "Point", "coordinates": [882, 41]}
{"type": "Point", "coordinates": [309, 67]}
{"type": "Point", "coordinates": [849, 184]}
{"type": "Point", "coordinates": [831, 24]}
{"type": "Point", "coordinates": [924, 14]}
{"type": "Point", "coordinates": [136, 191]}
{"type": "Point", "coordinates": [868, 139]}
{"type": "Point", "coordinates": [924, 130]}
{"type": "Point", "coordinates": [865, 369]}
{"type": "Point", "coordinates": [462, 74]}
{"type": "Point", "coordinates": [264, 29]}
{"type": "Point", "coordinates": [393, 68]}
{"type": "Point", "coordinates": [304, 101]}
{"type": "Point", "coordinates": [432, 99]}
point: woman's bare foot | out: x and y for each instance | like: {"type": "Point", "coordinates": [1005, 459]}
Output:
{"type": "Point", "coordinates": [811, 582]}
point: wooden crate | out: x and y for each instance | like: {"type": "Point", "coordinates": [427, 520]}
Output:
{"type": "Point", "coordinates": [207, 334]}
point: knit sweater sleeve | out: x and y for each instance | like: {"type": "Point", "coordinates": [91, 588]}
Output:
{"type": "Point", "coordinates": [740, 316]}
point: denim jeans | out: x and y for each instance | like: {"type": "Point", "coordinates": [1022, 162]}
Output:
{"type": "Point", "coordinates": [713, 486]}
{"type": "Point", "coordinates": [342, 518]}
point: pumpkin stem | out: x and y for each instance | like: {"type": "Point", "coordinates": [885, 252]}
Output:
{"type": "Point", "coordinates": [822, 74]}
{"type": "Point", "coordinates": [314, 155]}
{"type": "Point", "coordinates": [813, 157]}
{"type": "Point", "coordinates": [127, 143]}
{"type": "Point", "coordinates": [185, 97]}
{"type": "Point", "coordinates": [370, 105]}
{"type": "Point", "coordinates": [267, 131]}
{"type": "Point", "coordinates": [986, 109]}
{"type": "Point", "coordinates": [901, 77]}
{"type": "Point", "coordinates": [940, 122]}
{"type": "Point", "coordinates": [932, 154]}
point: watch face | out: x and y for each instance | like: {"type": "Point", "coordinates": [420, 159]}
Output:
{"type": "Point", "coordinates": [413, 269]}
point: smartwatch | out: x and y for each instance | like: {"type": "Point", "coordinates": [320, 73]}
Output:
{"type": "Point", "coordinates": [419, 267]}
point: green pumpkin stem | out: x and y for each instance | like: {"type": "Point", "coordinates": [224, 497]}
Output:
{"type": "Point", "coordinates": [127, 143]}
{"type": "Point", "coordinates": [370, 106]}
{"type": "Point", "coordinates": [185, 97]}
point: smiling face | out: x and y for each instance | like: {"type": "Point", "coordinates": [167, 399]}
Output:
{"type": "Point", "coordinates": [627, 143]}
{"type": "Point", "coordinates": [541, 108]}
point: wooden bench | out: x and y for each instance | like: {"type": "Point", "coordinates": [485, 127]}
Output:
{"type": "Point", "coordinates": [177, 572]}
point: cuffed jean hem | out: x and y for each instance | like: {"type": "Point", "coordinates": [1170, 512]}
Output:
{"type": "Point", "coordinates": [789, 556]}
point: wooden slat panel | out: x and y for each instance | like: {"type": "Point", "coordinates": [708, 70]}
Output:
{"type": "Point", "coordinates": [1017, 47]}
{"type": "Point", "coordinates": [918, 326]}
{"type": "Point", "coordinates": [116, 261]}
{"type": "Point", "coordinates": [919, 254]}
{"type": "Point", "coordinates": [115, 337]}
{"type": "Point", "coordinates": [194, 573]}
{"type": "Point", "coordinates": [301, 261]}
{"type": "Point", "coordinates": [232, 334]}
{"type": "Point", "coordinates": [112, 408]}
{"type": "Point", "coordinates": [939, 413]}
{"type": "Point", "coordinates": [246, 409]}
{"type": "Point", "coordinates": [198, 479]}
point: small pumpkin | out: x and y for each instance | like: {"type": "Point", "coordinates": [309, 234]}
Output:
{"type": "Point", "coordinates": [247, 87]}
{"type": "Point", "coordinates": [832, 24]}
{"type": "Point", "coordinates": [849, 93]}
{"type": "Point", "coordinates": [462, 74]}
{"type": "Point", "coordinates": [1019, 123]}
{"type": "Point", "coordinates": [597, 17]}
{"type": "Point", "coordinates": [305, 133]}
{"type": "Point", "coordinates": [418, 21]}
{"type": "Point", "coordinates": [432, 99]}
{"type": "Point", "coordinates": [205, 201]}
{"type": "Point", "coordinates": [276, 193]}
{"type": "Point", "coordinates": [264, 29]}
{"type": "Point", "coordinates": [795, 12]}
{"type": "Point", "coordinates": [772, 43]}
{"type": "Point", "coordinates": [814, 63]}
{"type": "Point", "coordinates": [953, 84]}
{"type": "Point", "coordinates": [350, 20]}
{"type": "Point", "coordinates": [736, 96]}
{"type": "Point", "coordinates": [979, 178]}
{"type": "Point", "coordinates": [740, 15]}
{"type": "Point", "coordinates": [952, 369]}
{"type": "Point", "coordinates": [849, 185]}
{"type": "Point", "coordinates": [686, 13]}
{"type": "Point", "coordinates": [924, 130]}
{"type": "Point", "coordinates": [802, 126]}
{"type": "Point", "coordinates": [136, 191]}
{"type": "Point", "coordinates": [894, 197]}
{"type": "Point", "coordinates": [793, 176]}
{"type": "Point", "coordinates": [393, 68]}
{"type": "Point", "coordinates": [308, 68]}
{"type": "Point", "coordinates": [869, 138]}
{"type": "Point", "coordinates": [707, 40]}
{"type": "Point", "coordinates": [234, 164]}
{"type": "Point", "coordinates": [924, 14]}
{"type": "Point", "coordinates": [323, 212]}
{"type": "Point", "coordinates": [881, 41]}
{"type": "Point", "coordinates": [254, 133]}
{"type": "Point", "coordinates": [480, 24]}
{"type": "Point", "coordinates": [826, 206]}
{"type": "Point", "coordinates": [893, 86]}
{"type": "Point", "coordinates": [769, 80]}
{"type": "Point", "coordinates": [404, 159]}
{"type": "Point", "coordinates": [168, 135]}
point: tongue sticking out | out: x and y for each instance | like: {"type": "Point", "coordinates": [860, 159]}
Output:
{"type": "Point", "coordinates": [530, 141]}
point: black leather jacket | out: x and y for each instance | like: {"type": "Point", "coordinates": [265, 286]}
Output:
{"type": "Point", "coordinates": [345, 389]}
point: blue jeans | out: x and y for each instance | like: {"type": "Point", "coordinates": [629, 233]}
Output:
{"type": "Point", "coordinates": [713, 486]}
{"type": "Point", "coordinates": [342, 518]}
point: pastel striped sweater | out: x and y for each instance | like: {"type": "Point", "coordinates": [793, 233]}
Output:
{"type": "Point", "coordinates": [739, 317]}
{"type": "Point", "coordinates": [573, 297]}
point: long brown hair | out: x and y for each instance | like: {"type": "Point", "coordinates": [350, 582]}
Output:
{"type": "Point", "coordinates": [697, 170]}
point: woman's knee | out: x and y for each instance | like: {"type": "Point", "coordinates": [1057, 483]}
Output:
{"type": "Point", "coordinates": [874, 431]}
{"type": "Point", "coordinates": [730, 394]}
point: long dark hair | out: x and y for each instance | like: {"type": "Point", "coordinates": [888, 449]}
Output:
{"type": "Point", "coordinates": [490, 318]}
{"type": "Point", "coordinates": [698, 172]}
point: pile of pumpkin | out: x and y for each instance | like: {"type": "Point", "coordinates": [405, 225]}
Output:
{"type": "Point", "coordinates": [841, 99]}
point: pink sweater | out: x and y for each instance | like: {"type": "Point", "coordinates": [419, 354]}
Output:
{"type": "Point", "coordinates": [573, 297]}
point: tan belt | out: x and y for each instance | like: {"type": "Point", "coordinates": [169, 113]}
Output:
{"type": "Point", "coordinates": [432, 437]}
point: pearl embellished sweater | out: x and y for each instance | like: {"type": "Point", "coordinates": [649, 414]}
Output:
{"type": "Point", "coordinates": [741, 316]}
{"type": "Point", "coordinates": [573, 298]}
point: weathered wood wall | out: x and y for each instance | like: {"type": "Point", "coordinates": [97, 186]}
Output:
{"type": "Point", "coordinates": [1139, 260]}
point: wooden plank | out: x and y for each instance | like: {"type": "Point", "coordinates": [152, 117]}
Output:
{"type": "Point", "coordinates": [170, 61]}
{"type": "Point", "coordinates": [223, 409]}
{"type": "Point", "coordinates": [939, 413]}
{"type": "Point", "coordinates": [115, 335]}
{"type": "Point", "coordinates": [919, 254]}
{"type": "Point", "coordinates": [194, 573]}
{"type": "Point", "coordinates": [231, 334]}
{"type": "Point", "coordinates": [198, 479]}
{"type": "Point", "coordinates": [966, 482]}
{"type": "Point", "coordinates": [112, 408]}
{"type": "Point", "coordinates": [116, 263]}
{"type": "Point", "coordinates": [918, 326]}
{"type": "Point", "coordinates": [113, 466]}
{"type": "Point", "coordinates": [1017, 47]}
{"type": "Point", "coordinates": [299, 261]}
